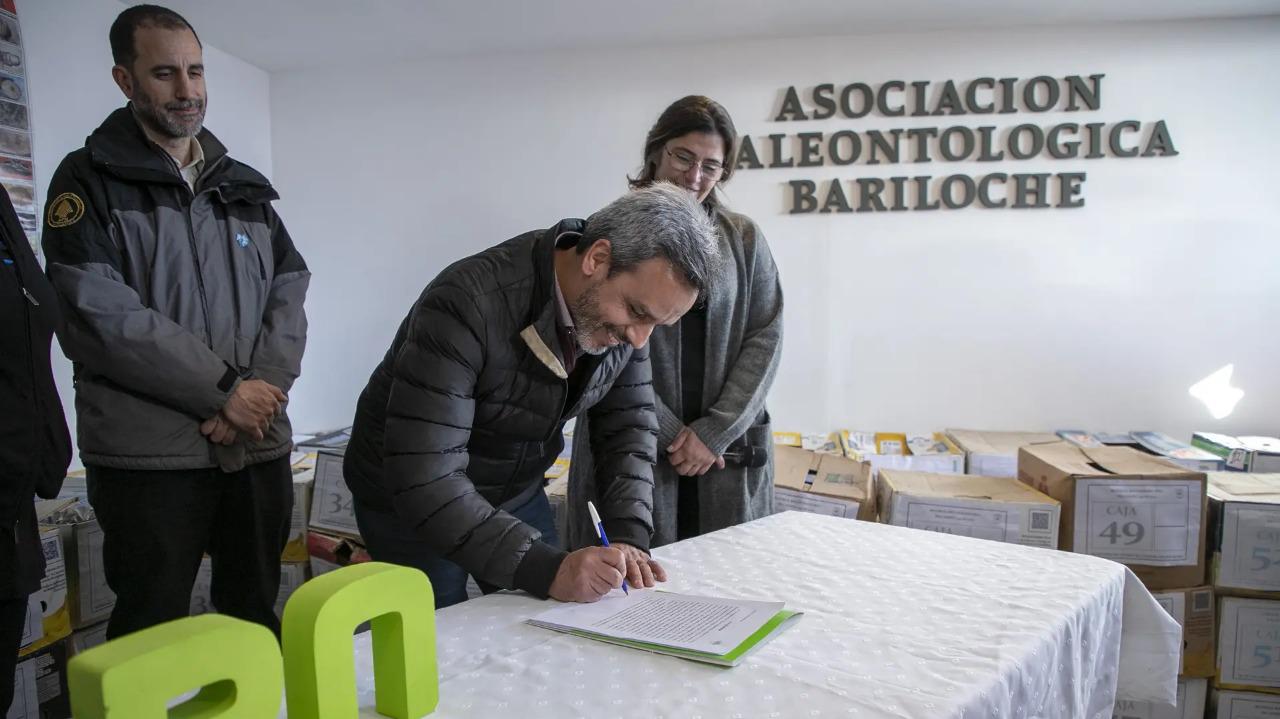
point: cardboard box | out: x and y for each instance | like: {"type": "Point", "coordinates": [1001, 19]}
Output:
{"type": "Point", "coordinates": [304, 470]}
{"type": "Point", "coordinates": [1127, 506]}
{"type": "Point", "coordinates": [808, 481]}
{"type": "Point", "coordinates": [89, 597]}
{"type": "Point", "coordinates": [1245, 705]}
{"type": "Point", "coordinates": [995, 454]}
{"type": "Point", "coordinates": [1244, 531]}
{"type": "Point", "coordinates": [292, 576]}
{"type": "Point", "coordinates": [32, 623]}
{"type": "Point", "coordinates": [1242, 454]}
{"type": "Point", "coordinates": [86, 639]}
{"type": "Point", "coordinates": [26, 698]}
{"type": "Point", "coordinates": [329, 552]}
{"type": "Point", "coordinates": [997, 508]}
{"type": "Point", "coordinates": [558, 497]}
{"type": "Point", "coordinates": [1079, 438]}
{"type": "Point", "coordinates": [1190, 704]}
{"type": "Point", "coordinates": [812, 441]}
{"type": "Point", "coordinates": [1178, 452]}
{"type": "Point", "coordinates": [335, 439]}
{"type": "Point", "coordinates": [201, 591]}
{"type": "Point", "coordinates": [52, 595]}
{"type": "Point", "coordinates": [918, 453]}
{"type": "Point", "coordinates": [332, 508]}
{"type": "Point", "coordinates": [47, 667]}
{"type": "Point", "coordinates": [1248, 644]}
{"type": "Point", "coordinates": [1193, 610]}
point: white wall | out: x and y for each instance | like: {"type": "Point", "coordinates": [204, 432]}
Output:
{"type": "Point", "coordinates": [1099, 317]}
{"type": "Point", "coordinates": [69, 61]}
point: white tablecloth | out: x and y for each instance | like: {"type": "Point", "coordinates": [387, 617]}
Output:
{"type": "Point", "coordinates": [898, 623]}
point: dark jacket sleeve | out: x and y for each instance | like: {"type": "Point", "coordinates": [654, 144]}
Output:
{"type": "Point", "coordinates": [277, 354]}
{"type": "Point", "coordinates": [624, 443]}
{"type": "Point", "coordinates": [430, 411]}
{"type": "Point", "coordinates": [106, 327]}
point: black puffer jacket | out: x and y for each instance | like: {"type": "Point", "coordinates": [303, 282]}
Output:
{"type": "Point", "coordinates": [465, 413]}
{"type": "Point", "coordinates": [34, 444]}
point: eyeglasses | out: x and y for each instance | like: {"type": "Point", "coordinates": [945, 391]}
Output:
{"type": "Point", "coordinates": [683, 162]}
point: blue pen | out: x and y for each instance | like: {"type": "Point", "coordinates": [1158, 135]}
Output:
{"type": "Point", "coordinates": [595, 519]}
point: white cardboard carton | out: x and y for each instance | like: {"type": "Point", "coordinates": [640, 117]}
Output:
{"type": "Point", "coordinates": [1248, 643]}
{"type": "Point", "coordinates": [995, 454]}
{"type": "Point", "coordinates": [996, 508]}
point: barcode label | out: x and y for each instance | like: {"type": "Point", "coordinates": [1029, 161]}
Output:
{"type": "Point", "coordinates": [1201, 601]}
{"type": "Point", "coordinates": [1040, 521]}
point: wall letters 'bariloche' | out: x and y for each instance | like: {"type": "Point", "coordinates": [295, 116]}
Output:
{"type": "Point", "coordinates": [973, 142]}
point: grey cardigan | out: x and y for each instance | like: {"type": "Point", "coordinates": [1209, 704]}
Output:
{"type": "Point", "coordinates": [743, 346]}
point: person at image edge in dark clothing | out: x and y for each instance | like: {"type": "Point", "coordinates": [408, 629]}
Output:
{"type": "Point", "coordinates": [35, 447]}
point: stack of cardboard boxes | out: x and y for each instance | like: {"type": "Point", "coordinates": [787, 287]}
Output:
{"type": "Point", "coordinates": [40, 678]}
{"type": "Point", "coordinates": [1150, 515]}
{"type": "Point", "coordinates": [1244, 567]}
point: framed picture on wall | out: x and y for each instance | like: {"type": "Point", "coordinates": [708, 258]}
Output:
{"type": "Point", "coordinates": [9, 29]}
{"type": "Point", "coordinates": [15, 168]}
{"type": "Point", "coordinates": [11, 60]}
{"type": "Point", "coordinates": [13, 142]}
{"type": "Point", "coordinates": [13, 114]}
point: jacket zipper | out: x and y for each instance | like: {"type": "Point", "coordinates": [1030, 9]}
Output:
{"type": "Point", "coordinates": [31, 368]}
{"type": "Point", "coordinates": [195, 260]}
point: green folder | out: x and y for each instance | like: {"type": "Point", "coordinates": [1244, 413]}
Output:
{"type": "Point", "coordinates": [766, 631]}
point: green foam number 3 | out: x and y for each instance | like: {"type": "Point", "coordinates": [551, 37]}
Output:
{"type": "Point", "coordinates": [234, 664]}
{"type": "Point", "coordinates": [319, 620]}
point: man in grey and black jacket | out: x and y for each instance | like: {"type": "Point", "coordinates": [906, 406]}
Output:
{"type": "Point", "coordinates": [182, 297]}
{"type": "Point", "coordinates": [458, 424]}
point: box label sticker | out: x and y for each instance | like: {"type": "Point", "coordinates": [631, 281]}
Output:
{"type": "Point", "coordinates": [791, 500]}
{"type": "Point", "coordinates": [1139, 521]}
{"type": "Point", "coordinates": [1250, 547]}
{"type": "Point", "coordinates": [1235, 705]}
{"type": "Point", "coordinates": [1251, 633]}
{"type": "Point", "coordinates": [331, 504]}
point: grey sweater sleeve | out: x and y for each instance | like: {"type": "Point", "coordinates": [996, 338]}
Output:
{"type": "Point", "coordinates": [749, 378]}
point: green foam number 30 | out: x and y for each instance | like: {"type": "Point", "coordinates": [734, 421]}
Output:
{"type": "Point", "coordinates": [234, 664]}
{"type": "Point", "coordinates": [319, 620]}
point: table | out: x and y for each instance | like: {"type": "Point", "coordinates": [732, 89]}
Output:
{"type": "Point", "coordinates": [898, 623]}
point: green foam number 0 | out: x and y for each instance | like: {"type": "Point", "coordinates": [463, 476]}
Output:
{"type": "Point", "coordinates": [319, 620]}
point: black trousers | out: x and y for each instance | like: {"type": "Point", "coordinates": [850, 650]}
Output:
{"type": "Point", "coordinates": [156, 525]}
{"type": "Point", "coordinates": [13, 615]}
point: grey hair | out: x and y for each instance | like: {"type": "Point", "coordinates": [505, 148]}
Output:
{"type": "Point", "coordinates": [659, 220]}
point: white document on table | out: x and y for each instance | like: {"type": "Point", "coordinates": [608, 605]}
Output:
{"type": "Point", "coordinates": [702, 624]}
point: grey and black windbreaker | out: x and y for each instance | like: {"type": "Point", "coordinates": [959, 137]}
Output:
{"type": "Point", "coordinates": [170, 298]}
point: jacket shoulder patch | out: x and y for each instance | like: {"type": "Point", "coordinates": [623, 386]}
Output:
{"type": "Point", "coordinates": [65, 210]}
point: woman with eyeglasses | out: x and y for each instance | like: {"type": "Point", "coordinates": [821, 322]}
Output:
{"type": "Point", "coordinates": [712, 369]}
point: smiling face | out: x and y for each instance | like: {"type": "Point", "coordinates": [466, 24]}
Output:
{"type": "Point", "coordinates": [694, 161]}
{"type": "Point", "coordinates": [627, 306]}
{"type": "Point", "coordinates": [166, 81]}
